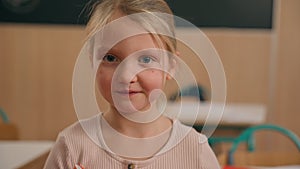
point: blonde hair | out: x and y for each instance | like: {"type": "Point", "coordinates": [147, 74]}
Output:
{"type": "Point", "coordinates": [103, 10]}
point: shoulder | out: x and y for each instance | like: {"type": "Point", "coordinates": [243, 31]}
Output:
{"type": "Point", "coordinates": [73, 130]}
{"type": "Point", "coordinates": [79, 136]}
{"type": "Point", "coordinates": [72, 145]}
{"type": "Point", "coordinates": [191, 135]}
{"type": "Point", "coordinates": [200, 138]}
{"type": "Point", "coordinates": [187, 138]}
{"type": "Point", "coordinates": [80, 129]}
{"type": "Point", "coordinates": [194, 145]}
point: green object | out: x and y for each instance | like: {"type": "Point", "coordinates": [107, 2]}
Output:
{"type": "Point", "coordinates": [4, 116]}
{"type": "Point", "coordinates": [213, 140]}
{"type": "Point", "coordinates": [248, 137]}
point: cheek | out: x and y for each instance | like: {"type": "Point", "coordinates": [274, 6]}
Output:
{"type": "Point", "coordinates": [103, 80]}
{"type": "Point", "coordinates": [152, 79]}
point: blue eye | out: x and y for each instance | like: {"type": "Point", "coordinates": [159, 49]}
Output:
{"type": "Point", "coordinates": [146, 59]}
{"type": "Point", "coordinates": [110, 58]}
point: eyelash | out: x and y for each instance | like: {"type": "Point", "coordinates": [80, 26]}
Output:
{"type": "Point", "coordinates": [106, 59]}
{"type": "Point", "coordinates": [140, 59]}
{"type": "Point", "coordinates": [115, 59]}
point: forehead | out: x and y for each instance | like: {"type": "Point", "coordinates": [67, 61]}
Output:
{"type": "Point", "coordinates": [134, 44]}
{"type": "Point", "coordinates": [129, 45]}
{"type": "Point", "coordinates": [117, 31]}
{"type": "Point", "coordinates": [124, 35]}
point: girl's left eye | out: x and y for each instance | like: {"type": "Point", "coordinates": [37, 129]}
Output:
{"type": "Point", "coordinates": [146, 59]}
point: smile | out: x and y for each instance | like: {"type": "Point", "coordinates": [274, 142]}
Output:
{"type": "Point", "coordinates": [128, 92]}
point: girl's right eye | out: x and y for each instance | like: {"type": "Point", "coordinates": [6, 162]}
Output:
{"type": "Point", "coordinates": [110, 58]}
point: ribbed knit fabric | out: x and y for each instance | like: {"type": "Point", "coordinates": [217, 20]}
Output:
{"type": "Point", "coordinates": [75, 146]}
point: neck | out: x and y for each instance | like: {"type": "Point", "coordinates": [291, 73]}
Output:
{"type": "Point", "coordinates": [136, 129]}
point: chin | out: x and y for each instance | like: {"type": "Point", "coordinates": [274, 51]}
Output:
{"type": "Point", "coordinates": [129, 107]}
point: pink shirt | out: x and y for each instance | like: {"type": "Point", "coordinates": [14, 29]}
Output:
{"type": "Point", "coordinates": [74, 147]}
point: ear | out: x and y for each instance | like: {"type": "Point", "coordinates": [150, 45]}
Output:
{"type": "Point", "coordinates": [173, 66]}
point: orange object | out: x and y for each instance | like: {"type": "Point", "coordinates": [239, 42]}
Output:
{"type": "Point", "coordinates": [232, 167]}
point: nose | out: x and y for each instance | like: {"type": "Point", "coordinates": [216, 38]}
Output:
{"type": "Point", "coordinates": [126, 72]}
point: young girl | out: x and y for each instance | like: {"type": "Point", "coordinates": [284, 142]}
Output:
{"type": "Point", "coordinates": [131, 48]}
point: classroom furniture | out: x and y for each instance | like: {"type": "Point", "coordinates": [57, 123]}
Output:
{"type": "Point", "coordinates": [250, 157]}
{"type": "Point", "coordinates": [8, 130]}
{"type": "Point", "coordinates": [236, 117]}
{"type": "Point", "coordinates": [234, 113]}
{"type": "Point", "coordinates": [24, 154]}
{"type": "Point", "coordinates": [262, 160]}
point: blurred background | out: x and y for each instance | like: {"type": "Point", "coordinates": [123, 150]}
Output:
{"type": "Point", "coordinates": [258, 43]}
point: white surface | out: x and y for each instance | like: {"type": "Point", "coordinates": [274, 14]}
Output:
{"type": "Point", "coordinates": [14, 154]}
{"type": "Point", "coordinates": [241, 114]}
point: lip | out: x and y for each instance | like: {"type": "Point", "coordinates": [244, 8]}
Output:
{"type": "Point", "coordinates": [128, 92]}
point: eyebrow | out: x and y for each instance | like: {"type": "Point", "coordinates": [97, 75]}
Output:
{"type": "Point", "coordinates": [103, 50]}
{"type": "Point", "coordinates": [115, 52]}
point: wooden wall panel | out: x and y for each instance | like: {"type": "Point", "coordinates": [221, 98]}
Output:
{"type": "Point", "coordinates": [36, 72]}
{"type": "Point", "coordinates": [245, 55]}
{"type": "Point", "coordinates": [40, 59]}
{"type": "Point", "coordinates": [286, 107]}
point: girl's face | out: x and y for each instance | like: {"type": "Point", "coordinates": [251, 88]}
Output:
{"type": "Point", "coordinates": [130, 71]}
